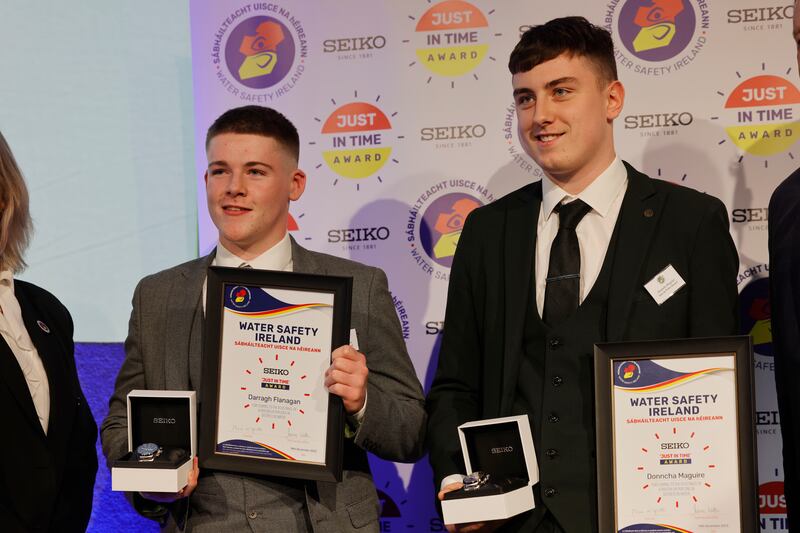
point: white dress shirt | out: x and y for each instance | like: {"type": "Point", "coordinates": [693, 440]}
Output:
{"type": "Point", "coordinates": [279, 257]}
{"type": "Point", "coordinates": [16, 336]}
{"type": "Point", "coordinates": [604, 195]}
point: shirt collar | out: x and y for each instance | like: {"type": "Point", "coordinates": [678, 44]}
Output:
{"type": "Point", "coordinates": [599, 195]}
{"type": "Point", "coordinates": [276, 258]}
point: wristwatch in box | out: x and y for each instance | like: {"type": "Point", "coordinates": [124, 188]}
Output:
{"type": "Point", "coordinates": [148, 452]}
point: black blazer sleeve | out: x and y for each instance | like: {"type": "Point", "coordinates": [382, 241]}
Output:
{"type": "Point", "coordinates": [454, 397]}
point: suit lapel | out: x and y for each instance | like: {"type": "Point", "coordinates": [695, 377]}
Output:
{"type": "Point", "coordinates": [638, 218]}
{"type": "Point", "coordinates": [54, 359]}
{"type": "Point", "coordinates": [519, 246]}
{"type": "Point", "coordinates": [184, 326]}
{"type": "Point", "coordinates": [12, 375]}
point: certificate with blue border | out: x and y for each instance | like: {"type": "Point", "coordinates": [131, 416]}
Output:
{"type": "Point", "coordinates": [675, 436]}
{"type": "Point", "coordinates": [268, 340]}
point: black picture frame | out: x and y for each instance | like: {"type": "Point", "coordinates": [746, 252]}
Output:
{"type": "Point", "coordinates": [606, 354]}
{"type": "Point", "coordinates": [218, 278]}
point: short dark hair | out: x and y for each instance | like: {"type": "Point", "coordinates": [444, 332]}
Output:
{"type": "Point", "coordinates": [257, 120]}
{"type": "Point", "coordinates": [574, 36]}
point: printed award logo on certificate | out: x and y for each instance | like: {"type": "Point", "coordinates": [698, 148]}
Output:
{"type": "Point", "coordinates": [675, 436]}
{"type": "Point", "coordinates": [268, 342]}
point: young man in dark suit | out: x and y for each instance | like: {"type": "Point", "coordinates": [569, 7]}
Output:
{"type": "Point", "coordinates": [252, 177]}
{"type": "Point", "coordinates": [784, 278]}
{"type": "Point", "coordinates": [546, 272]}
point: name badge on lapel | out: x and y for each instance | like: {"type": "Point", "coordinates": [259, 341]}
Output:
{"type": "Point", "coordinates": [664, 284]}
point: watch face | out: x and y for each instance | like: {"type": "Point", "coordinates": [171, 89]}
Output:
{"type": "Point", "coordinates": [475, 480]}
{"type": "Point", "coordinates": [148, 448]}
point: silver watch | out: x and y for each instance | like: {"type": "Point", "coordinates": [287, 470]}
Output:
{"type": "Point", "coordinates": [475, 480]}
{"type": "Point", "coordinates": [148, 451]}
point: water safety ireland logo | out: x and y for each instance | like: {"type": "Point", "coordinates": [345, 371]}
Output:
{"type": "Point", "coordinates": [658, 37]}
{"type": "Point", "coordinates": [451, 39]}
{"type": "Point", "coordinates": [239, 297]}
{"type": "Point", "coordinates": [755, 317]}
{"type": "Point", "coordinates": [259, 52]}
{"type": "Point", "coordinates": [628, 372]}
{"type": "Point", "coordinates": [357, 140]}
{"type": "Point", "coordinates": [435, 222]}
{"type": "Point", "coordinates": [760, 115]}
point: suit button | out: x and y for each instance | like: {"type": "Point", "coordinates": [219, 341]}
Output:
{"type": "Point", "coordinates": [555, 343]}
{"type": "Point", "coordinates": [557, 381]}
{"type": "Point", "coordinates": [551, 453]}
{"type": "Point", "coordinates": [553, 418]}
{"type": "Point", "coordinates": [252, 514]}
{"type": "Point", "coordinates": [550, 492]}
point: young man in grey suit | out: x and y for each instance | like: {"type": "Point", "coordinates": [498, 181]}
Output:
{"type": "Point", "coordinates": [542, 274]}
{"type": "Point", "coordinates": [252, 176]}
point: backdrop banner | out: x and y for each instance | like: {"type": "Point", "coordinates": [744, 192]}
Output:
{"type": "Point", "coordinates": [407, 124]}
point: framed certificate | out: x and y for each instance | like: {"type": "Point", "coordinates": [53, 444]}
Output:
{"type": "Point", "coordinates": [268, 340]}
{"type": "Point", "coordinates": [675, 436]}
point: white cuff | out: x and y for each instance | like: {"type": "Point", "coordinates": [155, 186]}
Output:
{"type": "Point", "coordinates": [452, 478]}
{"type": "Point", "coordinates": [358, 417]}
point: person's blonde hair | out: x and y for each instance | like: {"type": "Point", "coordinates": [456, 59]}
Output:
{"type": "Point", "coordinates": [15, 218]}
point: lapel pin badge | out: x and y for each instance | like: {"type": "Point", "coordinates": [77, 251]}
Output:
{"type": "Point", "coordinates": [648, 213]}
{"type": "Point", "coordinates": [43, 326]}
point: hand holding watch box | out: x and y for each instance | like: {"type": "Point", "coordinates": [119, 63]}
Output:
{"type": "Point", "coordinates": [161, 442]}
{"type": "Point", "coordinates": [501, 459]}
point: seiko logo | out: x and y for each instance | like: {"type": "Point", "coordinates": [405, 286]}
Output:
{"type": "Point", "coordinates": [502, 449]}
{"type": "Point", "coordinates": [158, 420]}
{"type": "Point", "coordinates": [658, 120]}
{"type": "Point", "coordinates": [449, 133]}
{"type": "Point", "coordinates": [358, 234]}
{"type": "Point", "coordinates": [353, 44]}
{"type": "Point", "coordinates": [433, 327]}
{"type": "Point", "coordinates": [749, 214]}
{"type": "Point", "coordinates": [276, 371]}
{"type": "Point", "coordinates": [760, 14]}
{"type": "Point", "coordinates": [674, 445]}
{"type": "Point", "coordinates": [767, 418]}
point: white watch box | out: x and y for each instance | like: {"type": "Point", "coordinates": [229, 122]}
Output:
{"type": "Point", "coordinates": [502, 448]}
{"type": "Point", "coordinates": [168, 419]}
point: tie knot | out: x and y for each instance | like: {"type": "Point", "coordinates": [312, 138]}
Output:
{"type": "Point", "coordinates": [570, 215]}
{"type": "Point", "coordinates": [245, 265]}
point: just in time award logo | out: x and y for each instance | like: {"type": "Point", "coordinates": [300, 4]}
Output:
{"type": "Point", "coordinates": [758, 115]}
{"type": "Point", "coordinates": [451, 39]}
{"type": "Point", "coordinates": [259, 52]}
{"type": "Point", "coordinates": [295, 224]}
{"type": "Point", "coordinates": [356, 141]}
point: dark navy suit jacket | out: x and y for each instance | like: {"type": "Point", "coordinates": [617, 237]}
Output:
{"type": "Point", "coordinates": [784, 267]}
{"type": "Point", "coordinates": [47, 479]}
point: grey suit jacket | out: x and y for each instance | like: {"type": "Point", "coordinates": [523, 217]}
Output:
{"type": "Point", "coordinates": [163, 351]}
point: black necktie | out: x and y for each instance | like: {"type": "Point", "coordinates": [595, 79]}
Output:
{"type": "Point", "coordinates": [562, 292]}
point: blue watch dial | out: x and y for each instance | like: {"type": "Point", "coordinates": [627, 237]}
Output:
{"type": "Point", "coordinates": [148, 448]}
